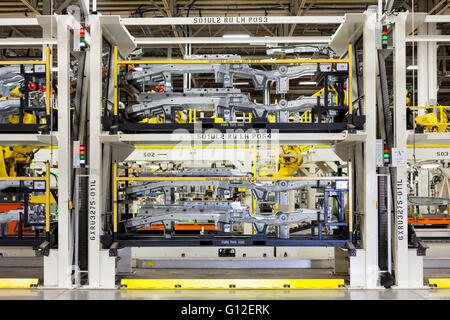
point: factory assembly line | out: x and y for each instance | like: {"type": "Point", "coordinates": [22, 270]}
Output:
{"type": "Point", "coordinates": [226, 211]}
{"type": "Point", "coordinates": [329, 109]}
{"type": "Point", "coordinates": [307, 147]}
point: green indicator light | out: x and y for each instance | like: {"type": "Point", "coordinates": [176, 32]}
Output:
{"type": "Point", "coordinates": [81, 157]}
{"type": "Point", "coordinates": [82, 40]}
{"type": "Point", "coordinates": [386, 155]}
{"type": "Point", "coordinates": [384, 37]}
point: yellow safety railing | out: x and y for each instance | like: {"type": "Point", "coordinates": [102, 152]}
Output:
{"type": "Point", "coordinates": [306, 117]}
{"type": "Point", "coordinates": [118, 62]}
{"type": "Point", "coordinates": [47, 191]}
{"type": "Point", "coordinates": [115, 83]}
{"type": "Point", "coordinates": [116, 180]}
{"type": "Point", "coordinates": [45, 62]}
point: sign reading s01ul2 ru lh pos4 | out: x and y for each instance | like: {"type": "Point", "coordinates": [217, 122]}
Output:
{"type": "Point", "coordinates": [225, 20]}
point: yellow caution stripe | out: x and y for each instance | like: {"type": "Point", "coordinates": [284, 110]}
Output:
{"type": "Point", "coordinates": [18, 283]}
{"type": "Point", "coordinates": [439, 283]}
{"type": "Point", "coordinates": [233, 284]}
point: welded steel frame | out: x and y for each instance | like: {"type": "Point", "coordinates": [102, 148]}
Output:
{"type": "Point", "coordinates": [101, 265]}
{"type": "Point", "coordinates": [57, 249]}
{"type": "Point", "coordinates": [21, 127]}
{"type": "Point", "coordinates": [36, 240]}
{"type": "Point", "coordinates": [427, 40]}
{"type": "Point", "coordinates": [115, 122]}
{"type": "Point", "coordinates": [121, 240]}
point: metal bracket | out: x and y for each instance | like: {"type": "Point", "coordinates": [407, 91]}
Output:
{"type": "Point", "coordinates": [351, 249]}
{"type": "Point", "coordinates": [113, 249]}
{"type": "Point", "coordinates": [44, 248]}
{"type": "Point", "coordinates": [421, 248]}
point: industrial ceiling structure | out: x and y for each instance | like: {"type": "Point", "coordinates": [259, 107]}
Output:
{"type": "Point", "coordinates": [211, 8]}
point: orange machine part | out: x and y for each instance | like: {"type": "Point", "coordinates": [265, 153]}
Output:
{"type": "Point", "coordinates": [423, 221]}
{"type": "Point", "coordinates": [13, 226]}
{"type": "Point", "coordinates": [184, 226]}
{"type": "Point", "coordinates": [13, 229]}
{"type": "Point", "coordinates": [6, 207]}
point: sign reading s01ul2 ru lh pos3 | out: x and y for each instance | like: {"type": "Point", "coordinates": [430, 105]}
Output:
{"type": "Point", "coordinates": [225, 20]}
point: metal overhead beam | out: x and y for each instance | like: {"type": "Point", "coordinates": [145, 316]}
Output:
{"type": "Point", "coordinates": [443, 9]}
{"type": "Point", "coordinates": [19, 22]}
{"type": "Point", "coordinates": [283, 7]}
{"type": "Point", "coordinates": [233, 20]}
{"type": "Point", "coordinates": [84, 5]}
{"type": "Point", "coordinates": [347, 32]}
{"type": "Point", "coordinates": [214, 35]}
{"type": "Point", "coordinates": [115, 32]}
{"type": "Point", "coordinates": [199, 30]}
{"type": "Point", "coordinates": [267, 29]}
{"type": "Point", "coordinates": [437, 19]}
{"type": "Point", "coordinates": [300, 9]}
{"type": "Point", "coordinates": [246, 30]}
{"type": "Point", "coordinates": [63, 6]}
{"type": "Point", "coordinates": [26, 42]}
{"type": "Point", "coordinates": [20, 33]}
{"type": "Point", "coordinates": [186, 139]}
{"type": "Point", "coordinates": [158, 7]}
{"type": "Point", "coordinates": [406, 6]}
{"type": "Point", "coordinates": [437, 6]}
{"type": "Point", "coordinates": [174, 28]}
{"type": "Point", "coordinates": [429, 38]}
{"type": "Point", "coordinates": [29, 6]}
{"type": "Point", "coordinates": [249, 40]}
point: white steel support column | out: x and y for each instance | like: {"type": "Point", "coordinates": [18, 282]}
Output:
{"type": "Point", "coordinates": [370, 235]}
{"type": "Point", "coordinates": [95, 160]}
{"type": "Point", "coordinates": [84, 4]}
{"type": "Point", "coordinates": [65, 232]}
{"type": "Point", "coordinates": [432, 64]}
{"type": "Point", "coordinates": [101, 273]}
{"type": "Point", "coordinates": [427, 64]}
{"type": "Point", "coordinates": [400, 234]}
{"type": "Point", "coordinates": [422, 72]}
{"type": "Point", "coordinates": [50, 261]}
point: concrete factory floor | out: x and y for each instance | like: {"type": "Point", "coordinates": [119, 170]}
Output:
{"type": "Point", "coordinates": [234, 274]}
{"type": "Point", "coordinates": [22, 272]}
{"type": "Point", "coordinates": [342, 294]}
{"type": "Point", "coordinates": [339, 294]}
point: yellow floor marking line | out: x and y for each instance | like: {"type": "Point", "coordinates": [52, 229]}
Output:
{"type": "Point", "coordinates": [439, 283]}
{"type": "Point", "coordinates": [234, 284]}
{"type": "Point", "coordinates": [18, 283]}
